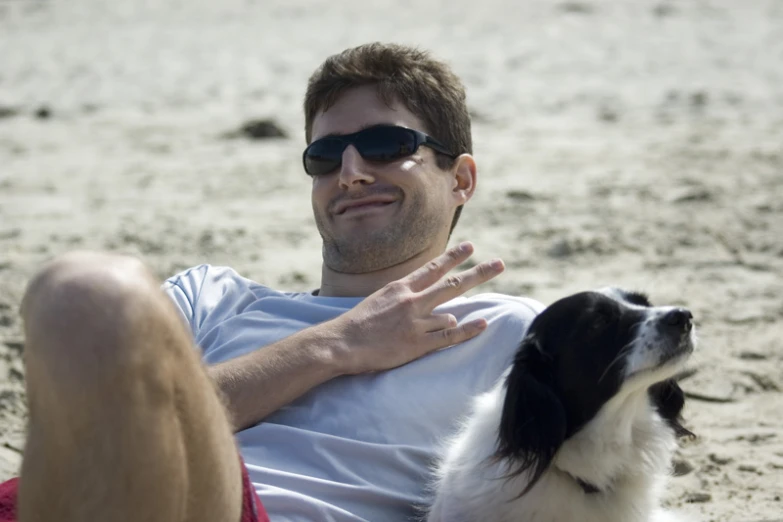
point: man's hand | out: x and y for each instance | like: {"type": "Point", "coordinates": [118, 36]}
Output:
{"type": "Point", "coordinates": [396, 324]}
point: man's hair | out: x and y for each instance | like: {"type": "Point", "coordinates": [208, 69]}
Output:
{"type": "Point", "coordinates": [427, 87]}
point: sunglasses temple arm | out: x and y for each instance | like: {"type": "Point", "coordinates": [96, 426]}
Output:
{"type": "Point", "coordinates": [440, 148]}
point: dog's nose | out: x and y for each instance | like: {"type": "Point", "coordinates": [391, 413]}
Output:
{"type": "Point", "coordinates": [679, 318]}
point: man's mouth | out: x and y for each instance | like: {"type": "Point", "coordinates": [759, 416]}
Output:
{"type": "Point", "coordinates": [363, 205]}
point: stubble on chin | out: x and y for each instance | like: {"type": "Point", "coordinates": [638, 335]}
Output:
{"type": "Point", "coordinates": [363, 253]}
{"type": "Point", "coordinates": [375, 250]}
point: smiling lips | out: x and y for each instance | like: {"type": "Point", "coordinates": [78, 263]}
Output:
{"type": "Point", "coordinates": [363, 203]}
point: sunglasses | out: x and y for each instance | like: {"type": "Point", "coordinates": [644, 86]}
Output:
{"type": "Point", "coordinates": [382, 143]}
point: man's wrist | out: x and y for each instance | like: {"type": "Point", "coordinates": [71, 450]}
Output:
{"type": "Point", "coordinates": [333, 341]}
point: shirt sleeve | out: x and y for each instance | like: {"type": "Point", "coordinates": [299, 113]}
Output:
{"type": "Point", "coordinates": [184, 289]}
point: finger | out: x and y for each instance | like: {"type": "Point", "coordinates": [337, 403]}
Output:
{"type": "Point", "coordinates": [430, 273]}
{"type": "Point", "coordinates": [459, 334]}
{"type": "Point", "coordinates": [455, 285]}
{"type": "Point", "coordinates": [439, 322]}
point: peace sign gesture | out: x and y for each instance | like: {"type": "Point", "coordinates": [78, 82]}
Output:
{"type": "Point", "coordinates": [396, 324]}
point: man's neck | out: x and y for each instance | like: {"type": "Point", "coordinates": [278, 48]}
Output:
{"type": "Point", "coordinates": [337, 284]}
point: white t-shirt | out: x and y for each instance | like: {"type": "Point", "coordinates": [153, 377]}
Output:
{"type": "Point", "coordinates": [356, 448]}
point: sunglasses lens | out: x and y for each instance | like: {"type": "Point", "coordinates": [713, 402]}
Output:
{"type": "Point", "coordinates": [382, 143]}
{"type": "Point", "coordinates": [386, 143]}
{"type": "Point", "coordinates": [323, 156]}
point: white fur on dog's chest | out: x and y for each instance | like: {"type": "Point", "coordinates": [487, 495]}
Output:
{"type": "Point", "coordinates": [478, 495]}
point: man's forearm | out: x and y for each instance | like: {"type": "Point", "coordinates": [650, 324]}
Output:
{"type": "Point", "coordinates": [263, 381]}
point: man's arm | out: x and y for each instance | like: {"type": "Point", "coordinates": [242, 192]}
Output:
{"type": "Point", "coordinates": [263, 381]}
{"type": "Point", "coordinates": [392, 327]}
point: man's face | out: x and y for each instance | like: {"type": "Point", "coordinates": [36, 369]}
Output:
{"type": "Point", "coordinates": [395, 210]}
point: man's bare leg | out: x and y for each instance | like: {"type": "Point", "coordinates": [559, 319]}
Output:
{"type": "Point", "coordinates": [124, 423]}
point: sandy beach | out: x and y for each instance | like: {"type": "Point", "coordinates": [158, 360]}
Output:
{"type": "Point", "coordinates": [620, 142]}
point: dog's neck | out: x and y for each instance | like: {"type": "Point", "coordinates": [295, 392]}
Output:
{"type": "Point", "coordinates": [588, 488]}
{"type": "Point", "coordinates": [625, 439]}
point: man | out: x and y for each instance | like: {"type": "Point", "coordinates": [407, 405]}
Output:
{"type": "Point", "coordinates": [339, 398]}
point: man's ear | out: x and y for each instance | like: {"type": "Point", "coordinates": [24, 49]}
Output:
{"type": "Point", "coordinates": [533, 423]}
{"type": "Point", "coordinates": [464, 181]}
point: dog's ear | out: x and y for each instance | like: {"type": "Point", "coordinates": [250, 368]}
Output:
{"type": "Point", "coordinates": [669, 399]}
{"type": "Point", "coordinates": [533, 422]}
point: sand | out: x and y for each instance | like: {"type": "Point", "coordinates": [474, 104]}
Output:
{"type": "Point", "coordinates": [630, 143]}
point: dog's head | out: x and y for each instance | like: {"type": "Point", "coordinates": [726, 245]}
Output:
{"type": "Point", "coordinates": [578, 354]}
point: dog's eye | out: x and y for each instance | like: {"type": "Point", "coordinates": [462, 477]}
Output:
{"type": "Point", "coordinates": [599, 320]}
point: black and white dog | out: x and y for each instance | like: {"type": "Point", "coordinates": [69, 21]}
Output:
{"type": "Point", "coordinates": [582, 427]}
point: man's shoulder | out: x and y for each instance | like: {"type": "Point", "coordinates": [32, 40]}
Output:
{"type": "Point", "coordinates": [208, 276]}
{"type": "Point", "coordinates": [508, 317]}
{"type": "Point", "coordinates": [201, 272]}
{"type": "Point", "coordinates": [209, 293]}
{"type": "Point", "coordinates": [501, 303]}
{"type": "Point", "coordinates": [206, 285]}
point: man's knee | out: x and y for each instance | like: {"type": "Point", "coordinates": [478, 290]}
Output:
{"type": "Point", "coordinates": [84, 309]}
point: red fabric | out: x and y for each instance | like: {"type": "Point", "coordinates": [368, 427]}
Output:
{"type": "Point", "coordinates": [252, 509]}
{"type": "Point", "coordinates": [8, 500]}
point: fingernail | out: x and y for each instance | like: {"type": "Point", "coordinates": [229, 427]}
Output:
{"type": "Point", "coordinates": [497, 264]}
{"type": "Point", "coordinates": [464, 246]}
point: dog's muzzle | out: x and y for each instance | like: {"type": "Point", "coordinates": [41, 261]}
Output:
{"type": "Point", "coordinates": [676, 328]}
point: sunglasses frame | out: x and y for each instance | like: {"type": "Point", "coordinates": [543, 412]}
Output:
{"type": "Point", "coordinates": [419, 139]}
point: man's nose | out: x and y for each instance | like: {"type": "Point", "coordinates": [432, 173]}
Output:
{"type": "Point", "coordinates": [354, 168]}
